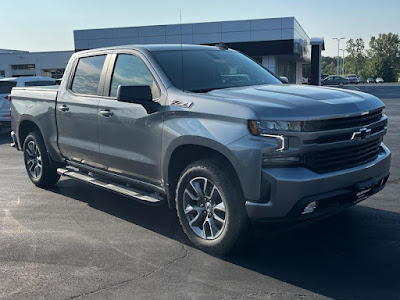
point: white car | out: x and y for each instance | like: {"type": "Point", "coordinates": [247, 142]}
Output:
{"type": "Point", "coordinates": [379, 80]}
{"type": "Point", "coordinates": [6, 84]}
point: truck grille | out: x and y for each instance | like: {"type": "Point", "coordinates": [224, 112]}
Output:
{"type": "Point", "coordinates": [340, 123]}
{"type": "Point", "coordinates": [347, 157]}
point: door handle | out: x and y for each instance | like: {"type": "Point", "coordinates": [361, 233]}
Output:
{"type": "Point", "coordinates": [106, 113]}
{"type": "Point", "coordinates": [63, 107]}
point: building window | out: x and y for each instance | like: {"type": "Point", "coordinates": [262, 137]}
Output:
{"type": "Point", "coordinates": [23, 67]}
{"type": "Point", "coordinates": [53, 73]}
{"type": "Point", "coordinates": [2, 73]}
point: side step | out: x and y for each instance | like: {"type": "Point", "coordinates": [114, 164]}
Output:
{"type": "Point", "coordinates": [149, 198]}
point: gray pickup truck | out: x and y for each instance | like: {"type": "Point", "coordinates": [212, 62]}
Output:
{"type": "Point", "coordinates": [206, 130]}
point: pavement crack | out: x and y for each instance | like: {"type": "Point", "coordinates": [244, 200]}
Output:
{"type": "Point", "coordinates": [111, 286]}
{"type": "Point", "coordinates": [394, 181]}
{"type": "Point", "coordinates": [124, 282]}
{"type": "Point", "coordinates": [168, 264]}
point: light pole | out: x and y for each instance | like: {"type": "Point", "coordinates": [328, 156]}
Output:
{"type": "Point", "coordinates": [342, 61]}
{"type": "Point", "coordinates": [338, 47]}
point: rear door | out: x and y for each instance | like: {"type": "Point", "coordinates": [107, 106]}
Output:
{"type": "Point", "coordinates": [77, 106]}
{"type": "Point", "coordinates": [130, 138]}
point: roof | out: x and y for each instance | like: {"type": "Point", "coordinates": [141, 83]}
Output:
{"type": "Point", "coordinates": [158, 47]}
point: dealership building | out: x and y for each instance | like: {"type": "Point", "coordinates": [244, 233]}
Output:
{"type": "Point", "coordinates": [280, 44]}
{"type": "Point", "coordinates": [15, 63]}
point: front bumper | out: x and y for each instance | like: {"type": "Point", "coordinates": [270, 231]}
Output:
{"type": "Point", "coordinates": [291, 189]}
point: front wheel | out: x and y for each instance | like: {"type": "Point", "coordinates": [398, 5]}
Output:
{"type": "Point", "coordinates": [37, 162]}
{"type": "Point", "coordinates": [210, 207]}
{"type": "Point", "coordinates": [341, 84]}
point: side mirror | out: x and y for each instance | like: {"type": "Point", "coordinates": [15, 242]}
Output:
{"type": "Point", "coordinates": [284, 79]}
{"type": "Point", "coordinates": [140, 94]}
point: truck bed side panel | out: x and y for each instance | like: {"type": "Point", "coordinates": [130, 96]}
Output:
{"type": "Point", "coordinates": [36, 105]}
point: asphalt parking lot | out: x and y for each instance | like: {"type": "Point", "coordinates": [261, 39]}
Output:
{"type": "Point", "coordinates": [78, 242]}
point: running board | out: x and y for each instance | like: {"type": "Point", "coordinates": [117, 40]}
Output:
{"type": "Point", "coordinates": [149, 198]}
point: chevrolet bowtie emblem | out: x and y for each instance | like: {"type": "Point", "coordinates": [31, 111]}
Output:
{"type": "Point", "coordinates": [362, 134]}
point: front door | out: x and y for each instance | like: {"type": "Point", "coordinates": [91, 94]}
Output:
{"type": "Point", "coordinates": [130, 138]}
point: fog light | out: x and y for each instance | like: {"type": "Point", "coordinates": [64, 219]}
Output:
{"type": "Point", "coordinates": [309, 208]}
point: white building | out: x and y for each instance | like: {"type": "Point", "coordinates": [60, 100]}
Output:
{"type": "Point", "coordinates": [280, 44]}
{"type": "Point", "coordinates": [15, 63]}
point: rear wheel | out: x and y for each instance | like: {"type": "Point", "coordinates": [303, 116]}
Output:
{"type": "Point", "coordinates": [41, 171]}
{"type": "Point", "coordinates": [211, 208]}
{"type": "Point", "coordinates": [340, 84]}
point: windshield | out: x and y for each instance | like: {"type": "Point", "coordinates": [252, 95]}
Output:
{"type": "Point", "coordinates": [206, 70]}
{"type": "Point", "coordinates": [6, 86]}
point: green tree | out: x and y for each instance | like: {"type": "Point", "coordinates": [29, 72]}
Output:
{"type": "Point", "coordinates": [384, 54]}
{"type": "Point", "coordinates": [356, 57]}
{"type": "Point", "coordinates": [328, 65]}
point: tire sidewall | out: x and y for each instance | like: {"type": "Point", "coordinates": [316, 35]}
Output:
{"type": "Point", "coordinates": [49, 174]}
{"type": "Point", "coordinates": [234, 205]}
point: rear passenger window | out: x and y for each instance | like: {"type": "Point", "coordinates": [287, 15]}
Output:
{"type": "Point", "coordinates": [87, 75]}
{"type": "Point", "coordinates": [131, 70]}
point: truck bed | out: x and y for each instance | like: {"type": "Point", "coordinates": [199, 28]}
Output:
{"type": "Point", "coordinates": [42, 93]}
{"type": "Point", "coordinates": [39, 104]}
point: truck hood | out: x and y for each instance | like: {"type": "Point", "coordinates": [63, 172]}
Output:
{"type": "Point", "coordinates": [295, 102]}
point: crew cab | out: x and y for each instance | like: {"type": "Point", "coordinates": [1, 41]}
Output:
{"type": "Point", "coordinates": [207, 131]}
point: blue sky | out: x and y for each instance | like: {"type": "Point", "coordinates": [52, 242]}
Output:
{"type": "Point", "coordinates": [48, 25]}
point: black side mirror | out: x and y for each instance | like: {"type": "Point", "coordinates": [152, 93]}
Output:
{"type": "Point", "coordinates": [140, 94]}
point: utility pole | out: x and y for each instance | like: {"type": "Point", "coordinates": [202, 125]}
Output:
{"type": "Point", "coordinates": [338, 55]}
{"type": "Point", "coordinates": [342, 61]}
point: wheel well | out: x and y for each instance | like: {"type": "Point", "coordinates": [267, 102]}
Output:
{"type": "Point", "coordinates": [187, 154]}
{"type": "Point", "coordinates": [25, 128]}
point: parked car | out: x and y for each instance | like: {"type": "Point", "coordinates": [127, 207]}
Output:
{"type": "Point", "coordinates": [352, 78]}
{"type": "Point", "coordinates": [379, 80]}
{"type": "Point", "coordinates": [361, 80]}
{"type": "Point", "coordinates": [227, 145]}
{"type": "Point", "coordinates": [323, 76]}
{"type": "Point", "coordinates": [6, 84]}
{"type": "Point", "coordinates": [370, 80]}
{"type": "Point", "coordinates": [334, 80]}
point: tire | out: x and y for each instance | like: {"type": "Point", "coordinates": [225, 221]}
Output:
{"type": "Point", "coordinates": [210, 208]}
{"type": "Point", "coordinates": [41, 170]}
{"type": "Point", "coordinates": [340, 84]}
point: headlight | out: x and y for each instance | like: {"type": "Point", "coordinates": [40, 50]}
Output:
{"type": "Point", "coordinates": [260, 127]}
{"type": "Point", "coordinates": [279, 140]}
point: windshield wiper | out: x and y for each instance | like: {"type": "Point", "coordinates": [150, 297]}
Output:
{"type": "Point", "coordinates": [205, 90]}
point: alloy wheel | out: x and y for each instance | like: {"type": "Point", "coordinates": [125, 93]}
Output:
{"type": "Point", "coordinates": [204, 208]}
{"type": "Point", "coordinates": [33, 159]}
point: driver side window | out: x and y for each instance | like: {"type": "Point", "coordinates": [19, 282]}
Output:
{"type": "Point", "coordinates": [131, 70]}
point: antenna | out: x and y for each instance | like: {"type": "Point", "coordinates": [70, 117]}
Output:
{"type": "Point", "coordinates": [180, 25]}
